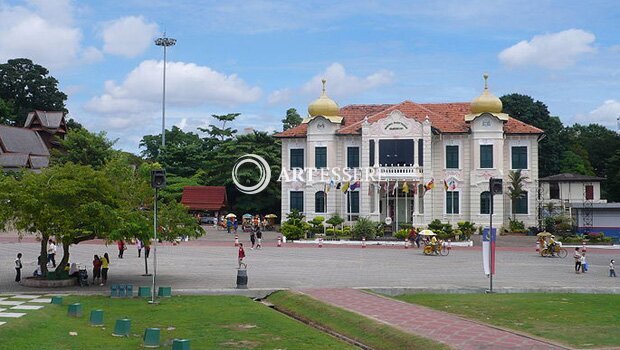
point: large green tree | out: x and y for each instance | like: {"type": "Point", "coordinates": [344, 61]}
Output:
{"type": "Point", "coordinates": [183, 155]}
{"type": "Point", "coordinates": [81, 146]}
{"type": "Point", "coordinates": [28, 86]}
{"type": "Point", "coordinates": [551, 147]}
{"type": "Point", "coordinates": [291, 120]}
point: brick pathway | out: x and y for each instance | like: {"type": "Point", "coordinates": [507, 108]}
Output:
{"type": "Point", "coordinates": [449, 329]}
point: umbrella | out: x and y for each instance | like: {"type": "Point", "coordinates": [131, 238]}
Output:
{"type": "Point", "coordinates": [544, 234]}
{"type": "Point", "coordinates": [427, 233]}
{"type": "Point", "coordinates": [247, 216]}
{"type": "Point", "coordinates": [271, 216]}
{"type": "Point", "coordinates": [231, 215]}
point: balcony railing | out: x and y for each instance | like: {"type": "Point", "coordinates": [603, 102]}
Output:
{"type": "Point", "coordinates": [399, 172]}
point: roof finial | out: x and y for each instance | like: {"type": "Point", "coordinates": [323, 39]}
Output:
{"type": "Point", "coordinates": [324, 81]}
{"type": "Point", "coordinates": [486, 77]}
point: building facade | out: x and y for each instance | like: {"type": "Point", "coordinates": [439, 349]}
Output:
{"type": "Point", "coordinates": [412, 162]}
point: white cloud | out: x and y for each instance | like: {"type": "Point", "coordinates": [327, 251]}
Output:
{"type": "Point", "coordinates": [187, 85]}
{"type": "Point", "coordinates": [128, 36]}
{"type": "Point", "coordinates": [339, 84]}
{"type": "Point", "coordinates": [555, 51]}
{"type": "Point", "coordinates": [604, 115]}
{"type": "Point", "coordinates": [33, 33]}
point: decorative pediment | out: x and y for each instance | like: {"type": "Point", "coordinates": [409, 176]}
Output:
{"type": "Point", "coordinates": [396, 124]}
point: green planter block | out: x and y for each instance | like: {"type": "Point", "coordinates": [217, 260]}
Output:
{"type": "Point", "coordinates": [57, 300]}
{"type": "Point", "coordinates": [121, 290]}
{"type": "Point", "coordinates": [122, 328]}
{"type": "Point", "coordinates": [151, 338]}
{"type": "Point", "coordinates": [75, 310]}
{"type": "Point", "coordinates": [114, 290]}
{"type": "Point", "coordinates": [164, 292]}
{"type": "Point", "coordinates": [129, 290]}
{"type": "Point", "coordinates": [96, 317]}
{"type": "Point", "coordinates": [144, 292]}
{"type": "Point", "coordinates": [180, 344]}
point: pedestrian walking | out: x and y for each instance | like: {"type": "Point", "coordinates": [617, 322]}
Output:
{"type": "Point", "coordinates": [139, 246]}
{"type": "Point", "coordinates": [51, 253]}
{"type": "Point", "coordinates": [18, 267]}
{"type": "Point", "coordinates": [612, 271]}
{"type": "Point", "coordinates": [229, 225]}
{"type": "Point", "coordinates": [105, 266]}
{"type": "Point", "coordinates": [147, 250]}
{"type": "Point", "coordinates": [584, 263]}
{"type": "Point", "coordinates": [121, 248]}
{"type": "Point", "coordinates": [253, 238]}
{"type": "Point", "coordinates": [241, 257]}
{"type": "Point", "coordinates": [259, 238]}
{"type": "Point", "coordinates": [96, 269]}
{"type": "Point", "coordinates": [577, 257]}
{"type": "Point", "coordinates": [235, 225]}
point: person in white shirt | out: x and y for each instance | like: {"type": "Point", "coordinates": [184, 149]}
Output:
{"type": "Point", "coordinates": [612, 271]}
{"type": "Point", "coordinates": [18, 267]}
{"type": "Point", "coordinates": [51, 253]}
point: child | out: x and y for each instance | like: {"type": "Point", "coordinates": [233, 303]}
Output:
{"type": "Point", "coordinates": [584, 263]}
{"type": "Point", "coordinates": [612, 271]}
{"type": "Point", "coordinates": [241, 256]}
{"type": "Point", "coordinates": [18, 267]}
{"type": "Point", "coordinates": [259, 238]}
{"type": "Point", "coordinates": [577, 258]}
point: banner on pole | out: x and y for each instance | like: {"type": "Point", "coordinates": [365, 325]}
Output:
{"type": "Point", "coordinates": [488, 250]}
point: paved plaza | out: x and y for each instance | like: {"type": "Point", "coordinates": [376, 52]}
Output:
{"type": "Point", "coordinates": [210, 263]}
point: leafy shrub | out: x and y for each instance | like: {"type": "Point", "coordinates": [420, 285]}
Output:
{"type": "Point", "coordinates": [466, 229]}
{"type": "Point", "coordinates": [402, 233]}
{"type": "Point", "coordinates": [516, 226]}
{"type": "Point", "coordinates": [294, 227]}
{"type": "Point", "coordinates": [335, 220]}
{"type": "Point", "coordinates": [364, 227]}
{"type": "Point", "coordinates": [317, 224]}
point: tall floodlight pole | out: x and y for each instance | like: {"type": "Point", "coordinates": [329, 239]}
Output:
{"type": "Point", "coordinates": [165, 42]}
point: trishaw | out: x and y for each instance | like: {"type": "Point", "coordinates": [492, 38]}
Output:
{"type": "Point", "coordinates": [439, 248]}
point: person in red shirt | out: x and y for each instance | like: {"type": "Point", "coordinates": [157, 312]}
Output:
{"type": "Point", "coordinates": [121, 248]}
{"type": "Point", "coordinates": [242, 256]}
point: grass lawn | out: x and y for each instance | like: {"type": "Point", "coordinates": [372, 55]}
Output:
{"type": "Point", "coordinates": [579, 320]}
{"type": "Point", "coordinates": [366, 331]}
{"type": "Point", "coordinates": [211, 322]}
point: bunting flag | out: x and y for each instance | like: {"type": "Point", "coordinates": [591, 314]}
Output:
{"type": "Point", "coordinates": [429, 186]}
{"type": "Point", "coordinates": [445, 185]}
{"type": "Point", "coordinates": [405, 187]}
{"type": "Point", "coordinates": [452, 185]}
{"type": "Point", "coordinates": [415, 188]}
{"type": "Point", "coordinates": [488, 250]}
{"type": "Point", "coordinates": [326, 187]}
{"type": "Point", "coordinates": [395, 188]}
{"type": "Point", "coordinates": [345, 186]}
{"type": "Point", "coordinates": [355, 185]}
{"type": "Point", "coordinates": [338, 185]}
{"type": "Point", "coordinates": [332, 184]}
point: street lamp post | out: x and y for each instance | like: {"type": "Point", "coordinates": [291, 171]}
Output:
{"type": "Point", "coordinates": [165, 42]}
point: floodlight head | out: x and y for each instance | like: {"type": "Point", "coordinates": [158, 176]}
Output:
{"type": "Point", "coordinates": [165, 41]}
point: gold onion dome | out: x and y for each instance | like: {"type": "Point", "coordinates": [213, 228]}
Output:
{"type": "Point", "coordinates": [323, 106]}
{"type": "Point", "coordinates": [487, 102]}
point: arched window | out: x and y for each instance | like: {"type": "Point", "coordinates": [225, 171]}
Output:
{"type": "Point", "coordinates": [319, 202]}
{"type": "Point", "coordinates": [485, 202]}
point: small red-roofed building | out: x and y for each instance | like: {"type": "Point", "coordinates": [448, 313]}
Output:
{"type": "Point", "coordinates": [205, 201]}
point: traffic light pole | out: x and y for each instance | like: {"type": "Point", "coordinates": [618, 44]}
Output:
{"type": "Point", "coordinates": [491, 257]}
{"type": "Point", "coordinates": [154, 247]}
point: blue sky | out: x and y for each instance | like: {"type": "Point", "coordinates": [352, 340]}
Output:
{"type": "Point", "coordinates": [260, 58]}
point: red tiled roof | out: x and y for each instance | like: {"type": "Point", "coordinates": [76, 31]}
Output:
{"type": "Point", "coordinates": [204, 197]}
{"type": "Point", "coordinates": [445, 117]}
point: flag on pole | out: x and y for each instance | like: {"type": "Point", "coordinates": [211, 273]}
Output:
{"type": "Point", "coordinates": [345, 186]}
{"type": "Point", "coordinates": [429, 186]}
{"type": "Point", "coordinates": [445, 185]}
{"type": "Point", "coordinates": [394, 188]}
{"type": "Point", "coordinates": [355, 185]}
{"type": "Point", "coordinates": [488, 251]}
{"type": "Point", "coordinates": [338, 185]}
{"type": "Point", "coordinates": [332, 184]}
{"type": "Point", "coordinates": [415, 188]}
{"type": "Point", "coordinates": [405, 187]}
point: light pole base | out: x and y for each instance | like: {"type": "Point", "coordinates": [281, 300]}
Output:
{"type": "Point", "coordinates": [488, 291]}
{"type": "Point", "coordinates": [146, 275]}
{"type": "Point", "coordinates": [153, 302]}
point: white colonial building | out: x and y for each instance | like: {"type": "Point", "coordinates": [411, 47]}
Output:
{"type": "Point", "coordinates": [439, 156]}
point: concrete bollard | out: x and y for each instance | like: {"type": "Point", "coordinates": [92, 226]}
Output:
{"type": "Point", "coordinates": [320, 242]}
{"type": "Point", "coordinates": [242, 279]}
{"type": "Point", "coordinates": [96, 318]}
{"type": "Point", "coordinates": [280, 241]}
{"type": "Point", "coordinates": [406, 243]}
{"type": "Point", "coordinates": [57, 300]}
{"type": "Point", "coordinates": [583, 246]}
{"type": "Point", "coordinates": [122, 328]}
{"type": "Point", "coordinates": [151, 338]}
{"type": "Point", "coordinates": [236, 240]}
{"type": "Point", "coordinates": [180, 344]}
{"type": "Point", "coordinates": [75, 310]}
{"type": "Point", "coordinates": [537, 246]}
{"type": "Point", "coordinates": [363, 242]}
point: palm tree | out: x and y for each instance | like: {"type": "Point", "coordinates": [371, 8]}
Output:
{"type": "Point", "coordinates": [515, 188]}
